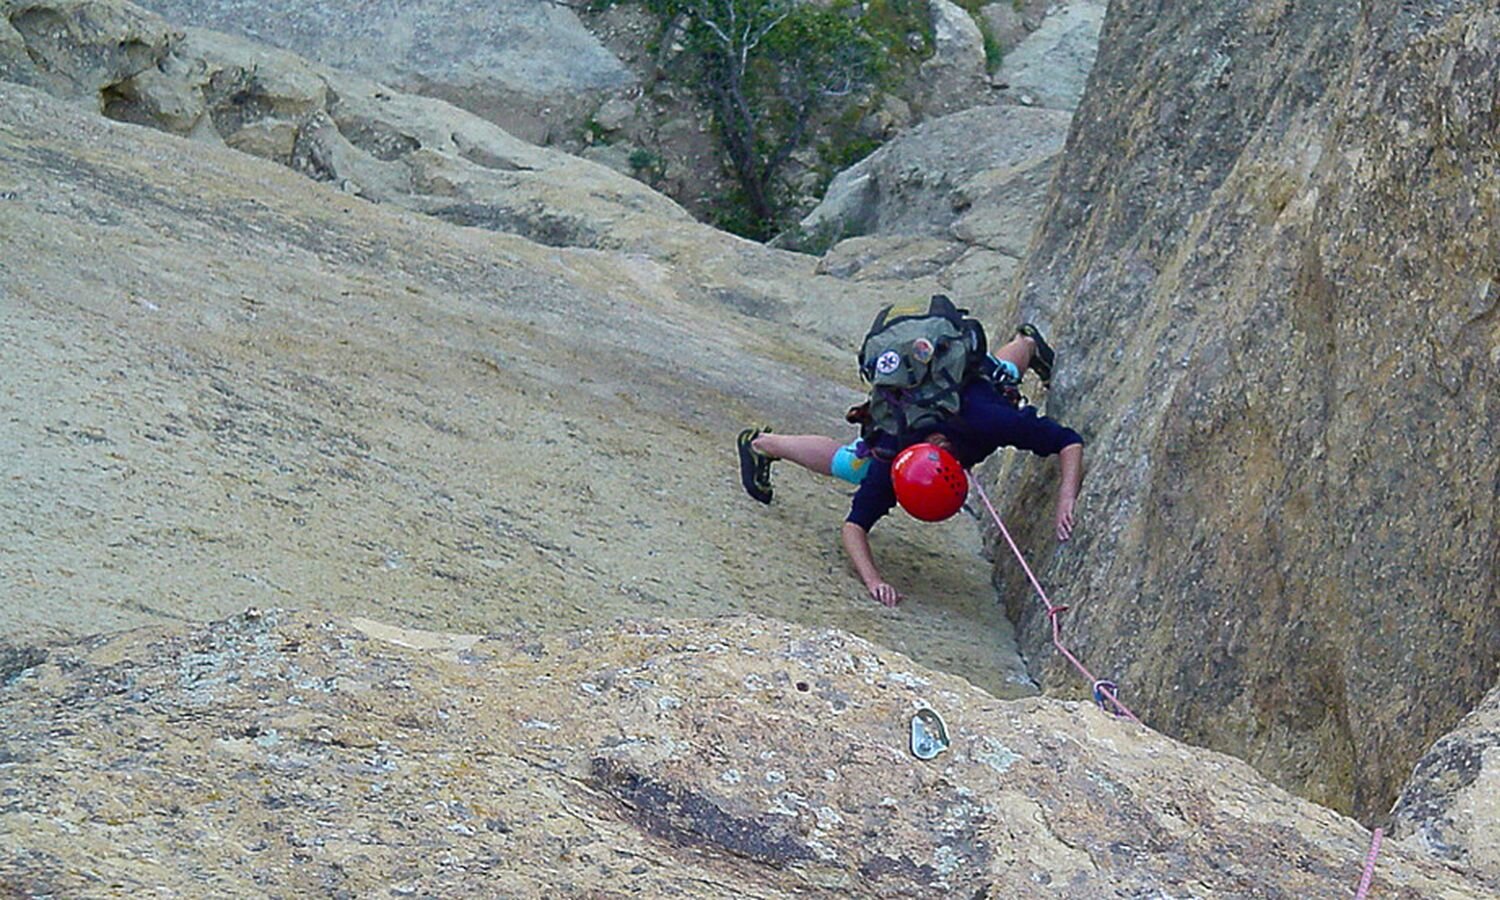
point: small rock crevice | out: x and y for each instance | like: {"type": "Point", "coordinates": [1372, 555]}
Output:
{"type": "Point", "coordinates": [689, 819]}
{"type": "Point", "coordinates": [17, 661]}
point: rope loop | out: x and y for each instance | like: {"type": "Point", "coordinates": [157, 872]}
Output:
{"type": "Point", "coordinates": [1053, 609]}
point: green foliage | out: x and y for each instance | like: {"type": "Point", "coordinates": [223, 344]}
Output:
{"type": "Point", "coordinates": [732, 213]}
{"type": "Point", "coordinates": [769, 70]}
{"type": "Point", "coordinates": [993, 57]}
{"type": "Point", "coordinates": [647, 166]}
{"type": "Point", "coordinates": [643, 160]}
{"type": "Point", "coordinates": [846, 149]}
{"type": "Point", "coordinates": [892, 22]}
{"type": "Point", "coordinates": [992, 53]}
{"type": "Point", "coordinates": [594, 133]}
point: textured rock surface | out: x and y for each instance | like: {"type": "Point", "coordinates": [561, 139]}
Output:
{"type": "Point", "coordinates": [226, 384]}
{"type": "Point", "coordinates": [922, 183]}
{"type": "Point", "coordinates": [1451, 804]}
{"type": "Point", "coordinates": [1270, 272]}
{"type": "Point", "coordinates": [279, 753]}
{"type": "Point", "coordinates": [508, 46]}
{"type": "Point", "coordinates": [1051, 65]}
{"type": "Point", "coordinates": [955, 74]}
{"type": "Point", "coordinates": [955, 198]}
{"type": "Point", "coordinates": [368, 139]}
{"type": "Point", "coordinates": [958, 197]}
{"type": "Point", "coordinates": [529, 66]}
{"type": "Point", "coordinates": [382, 145]}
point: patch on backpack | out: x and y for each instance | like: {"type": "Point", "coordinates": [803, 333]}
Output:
{"type": "Point", "coordinates": [917, 357]}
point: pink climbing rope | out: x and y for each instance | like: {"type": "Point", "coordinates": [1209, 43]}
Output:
{"type": "Point", "coordinates": [1053, 611]}
{"type": "Point", "coordinates": [1102, 687]}
{"type": "Point", "coordinates": [1364, 881]}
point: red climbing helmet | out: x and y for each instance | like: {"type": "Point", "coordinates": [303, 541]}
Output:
{"type": "Point", "coordinates": [930, 484]}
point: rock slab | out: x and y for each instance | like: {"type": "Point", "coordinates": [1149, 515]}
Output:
{"type": "Point", "coordinates": [1451, 804]}
{"type": "Point", "coordinates": [279, 752]}
{"type": "Point", "coordinates": [519, 46]}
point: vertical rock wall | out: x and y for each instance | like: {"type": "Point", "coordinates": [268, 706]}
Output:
{"type": "Point", "coordinates": [1270, 265]}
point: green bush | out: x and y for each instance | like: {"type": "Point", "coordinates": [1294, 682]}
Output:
{"type": "Point", "coordinates": [642, 160]}
{"type": "Point", "coordinates": [769, 79]}
{"type": "Point", "coordinates": [993, 56]}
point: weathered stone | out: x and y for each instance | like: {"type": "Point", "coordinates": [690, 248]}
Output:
{"type": "Point", "coordinates": [164, 96]}
{"type": "Point", "coordinates": [273, 104]}
{"type": "Point", "coordinates": [955, 74]}
{"type": "Point", "coordinates": [518, 46]}
{"type": "Point", "coordinates": [226, 384]}
{"type": "Point", "coordinates": [921, 182]}
{"type": "Point", "coordinates": [416, 152]}
{"type": "Point", "coordinates": [530, 67]}
{"type": "Point", "coordinates": [900, 257]}
{"type": "Point", "coordinates": [310, 754]}
{"type": "Point", "coordinates": [614, 113]}
{"type": "Point", "coordinates": [970, 186]}
{"type": "Point", "coordinates": [983, 279]}
{"type": "Point", "coordinates": [891, 116]}
{"type": "Point", "coordinates": [321, 151]}
{"type": "Point", "coordinates": [273, 140]}
{"type": "Point", "coordinates": [999, 208]}
{"type": "Point", "coordinates": [1269, 271]}
{"type": "Point", "coordinates": [1004, 23]}
{"type": "Point", "coordinates": [1051, 65]}
{"type": "Point", "coordinates": [12, 52]}
{"type": "Point", "coordinates": [76, 49]}
{"type": "Point", "coordinates": [1450, 806]}
{"type": "Point", "coordinates": [615, 156]}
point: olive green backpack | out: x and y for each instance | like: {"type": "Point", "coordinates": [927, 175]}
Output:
{"type": "Point", "coordinates": [916, 358]}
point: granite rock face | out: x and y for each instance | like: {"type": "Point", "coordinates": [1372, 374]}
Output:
{"type": "Point", "coordinates": [368, 139]}
{"type": "Point", "coordinates": [1270, 271]}
{"type": "Point", "coordinates": [303, 753]}
{"type": "Point", "coordinates": [226, 384]}
{"type": "Point", "coordinates": [925, 181]}
{"type": "Point", "coordinates": [378, 144]}
{"type": "Point", "coordinates": [955, 74]}
{"type": "Point", "coordinates": [531, 67]}
{"type": "Point", "coordinates": [514, 46]}
{"type": "Point", "coordinates": [1051, 66]}
{"type": "Point", "coordinates": [956, 198]}
{"type": "Point", "coordinates": [1450, 806]}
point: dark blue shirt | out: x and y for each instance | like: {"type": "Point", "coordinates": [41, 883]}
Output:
{"type": "Point", "coordinates": [985, 423]}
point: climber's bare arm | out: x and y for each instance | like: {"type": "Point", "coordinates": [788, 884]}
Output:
{"type": "Point", "coordinates": [857, 545]}
{"type": "Point", "coordinates": [1071, 458]}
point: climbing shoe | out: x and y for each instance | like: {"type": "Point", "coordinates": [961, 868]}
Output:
{"type": "Point", "coordinates": [755, 467]}
{"type": "Point", "coordinates": [1043, 358]}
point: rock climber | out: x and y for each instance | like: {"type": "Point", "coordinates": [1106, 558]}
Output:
{"type": "Point", "coordinates": [989, 417]}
